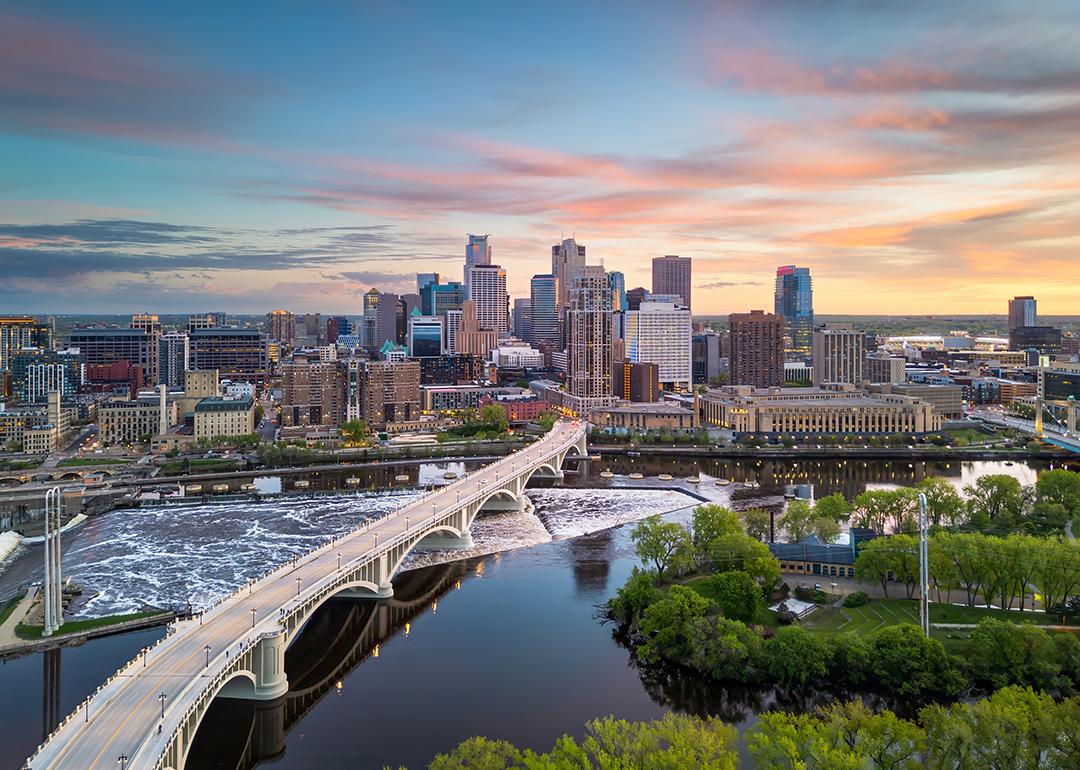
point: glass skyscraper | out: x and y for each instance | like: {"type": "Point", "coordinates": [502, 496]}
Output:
{"type": "Point", "coordinates": [617, 287]}
{"type": "Point", "coordinates": [795, 302]}
{"type": "Point", "coordinates": [543, 300]}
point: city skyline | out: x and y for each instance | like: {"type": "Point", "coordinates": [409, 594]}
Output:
{"type": "Point", "coordinates": [185, 158]}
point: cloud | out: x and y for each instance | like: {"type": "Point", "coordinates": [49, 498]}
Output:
{"type": "Point", "coordinates": [726, 284]}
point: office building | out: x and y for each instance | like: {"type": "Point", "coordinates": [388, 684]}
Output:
{"type": "Point", "coordinates": [705, 358]}
{"type": "Point", "coordinates": [425, 335]}
{"type": "Point", "coordinates": [636, 381]}
{"type": "Point", "coordinates": [477, 252]}
{"type": "Point", "coordinates": [589, 340]}
{"type": "Point", "coordinates": [237, 353]}
{"type": "Point", "coordinates": [947, 400]}
{"type": "Point", "coordinates": [517, 356]}
{"type": "Point", "coordinates": [338, 326]}
{"type": "Point", "coordinates": [15, 333]}
{"type": "Point", "coordinates": [455, 369]}
{"type": "Point", "coordinates": [644, 417]}
{"type": "Point", "coordinates": [757, 349]}
{"type": "Point", "coordinates": [488, 291]}
{"type": "Point", "coordinates": [617, 287]}
{"type": "Point", "coordinates": [1022, 312]}
{"type": "Point", "coordinates": [881, 367]}
{"type": "Point", "coordinates": [522, 318]}
{"type": "Point", "coordinates": [838, 353]}
{"type": "Point", "coordinates": [438, 298]}
{"type": "Point", "coordinates": [135, 420]}
{"type": "Point", "coordinates": [152, 326]}
{"type": "Point", "coordinates": [281, 326]}
{"type": "Point", "coordinates": [659, 333]}
{"type": "Point", "coordinates": [174, 353]}
{"type": "Point", "coordinates": [387, 392]}
{"type": "Point", "coordinates": [427, 279]}
{"type": "Point", "coordinates": [36, 372]}
{"type": "Point", "coordinates": [100, 346]}
{"type": "Point", "coordinates": [206, 321]}
{"type": "Point", "coordinates": [671, 275]}
{"type": "Point", "coordinates": [453, 326]}
{"type": "Point", "coordinates": [471, 337]}
{"type": "Point", "coordinates": [801, 411]}
{"type": "Point", "coordinates": [544, 306]}
{"type": "Point", "coordinates": [567, 258]}
{"type": "Point", "coordinates": [216, 416]}
{"type": "Point", "coordinates": [1059, 381]}
{"type": "Point", "coordinates": [312, 392]}
{"type": "Point", "coordinates": [1044, 339]}
{"type": "Point", "coordinates": [794, 302]}
{"type": "Point", "coordinates": [635, 296]}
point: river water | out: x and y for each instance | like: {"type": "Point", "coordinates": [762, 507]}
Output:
{"type": "Point", "coordinates": [506, 645]}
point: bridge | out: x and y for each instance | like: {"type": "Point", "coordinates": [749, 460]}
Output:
{"type": "Point", "coordinates": [145, 716]}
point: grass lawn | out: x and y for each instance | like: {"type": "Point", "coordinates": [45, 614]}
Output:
{"type": "Point", "coordinates": [75, 462]}
{"type": "Point", "coordinates": [200, 464]}
{"type": "Point", "coordinates": [968, 436]}
{"type": "Point", "coordinates": [74, 626]}
{"type": "Point", "coordinates": [9, 606]}
{"type": "Point", "coordinates": [18, 465]}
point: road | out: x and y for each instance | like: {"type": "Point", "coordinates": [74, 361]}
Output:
{"type": "Point", "coordinates": [123, 718]}
{"type": "Point", "coordinates": [1050, 429]}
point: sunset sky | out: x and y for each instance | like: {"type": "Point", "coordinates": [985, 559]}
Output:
{"type": "Point", "coordinates": [919, 157]}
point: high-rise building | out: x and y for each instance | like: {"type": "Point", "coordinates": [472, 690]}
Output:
{"type": "Point", "coordinates": [337, 326]}
{"type": "Point", "coordinates": [381, 392]}
{"type": "Point", "coordinates": [1022, 312]}
{"type": "Point", "coordinates": [453, 325]}
{"type": "Point", "coordinates": [477, 252]}
{"type": "Point", "coordinates": [312, 392]}
{"type": "Point", "coordinates": [472, 337]}
{"type": "Point", "coordinates": [635, 296]}
{"type": "Point", "coordinates": [15, 333]}
{"type": "Point", "coordinates": [488, 291]}
{"type": "Point", "coordinates": [437, 298]}
{"type": "Point", "coordinates": [522, 318]}
{"type": "Point", "coordinates": [636, 381]}
{"type": "Point", "coordinates": [543, 302]}
{"type": "Point", "coordinates": [757, 349]}
{"type": "Point", "coordinates": [239, 354]}
{"type": "Point", "coordinates": [35, 372]}
{"type": "Point", "coordinates": [310, 330]}
{"type": "Point", "coordinates": [426, 279]}
{"type": "Point", "coordinates": [880, 367]}
{"type": "Point", "coordinates": [173, 356]}
{"type": "Point", "coordinates": [794, 302]}
{"type": "Point", "coordinates": [838, 354]}
{"type": "Point", "coordinates": [705, 356]}
{"type": "Point", "coordinates": [589, 338]}
{"type": "Point", "coordinates": [151, 324]}
{"type": "Point", "coordinates": [659, 333]}
{"type": "Point", "coordinates": [425, 335]}
{"type": "Point", "coordinates": [671, 275]}
{"type": "Point", "coordinates": [567, 258]}
{"type": "Point", "coordinates": [617, 287]}
{"type": "Point", "coordinates": [281, 326]}
{"type": "Point", "coordinates": [134, 346]}
{"type": "Point", "coordinates": [206, 321]}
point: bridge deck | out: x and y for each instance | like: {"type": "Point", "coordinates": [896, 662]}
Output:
{"type": "Point", "coordinates": [123, 717]}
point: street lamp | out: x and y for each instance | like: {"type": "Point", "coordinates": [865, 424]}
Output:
{"type": "Point", "coordinates": [162, 697]}
{"type": "Point", "coordinates": [206, 649]}
{"type": "Point", "coordinates": [339, 561]}
{"type": "Point", "coordinates": [298, 586]}
{"type": "Point", "coordinates": [253, 617]}
{"type": "Point", "coordinates": [122, 761]}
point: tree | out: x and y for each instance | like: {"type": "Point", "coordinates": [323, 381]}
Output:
{"type": "Point", "coordinates": [1003, 653]}
{"type": "Point", "coordinates": [877, 508]}
{"type": "Point", "coordinates": [710, 522]}
{"type": "Point", "coordinates": [825, 528]}
{"type": "Point", "coordinates": [1061, 487]}
{"type": "Point", "coordinates": [795, 656]}
{"type": "Point", "coordinates": [738, 595]}
{"type": "Point", "coordinates": [660, 543]}
{"type": "Point", "coordinates": [944, 504]}
{"type": "Point", "coordinates": [995, 499]}
{"type": "Point", "coordinates": [665, 624]}
{"type": "Point", "coordinates": [259, 411]}
{"type": "Point", "coordinates": [875, 562]}
{"type": "Point", "coordinates": [833, 506]}
{"type": "Point", "coordinates": [726, 650]}
{"type": "Point", "coordinates": [797, 520]}
{"type": "Point", "coordinates": [354, 431]}
{"type": "Point", "coordinates": [905, 662]}
{"type": "Point", "coordinates": [547, 421]}
{"type": "Point", "coordinates": [758, 523]}
{"type": "Point", "coordinates": [742, 552]}
{"type": "Point", "coordinates": [494, 419]}
{"type": "Point", "coordinates": [478, 754]}
{"type": "Point", "coordinates": [637, 593]}
{"type": "Point", "coordinates": [884, 740]}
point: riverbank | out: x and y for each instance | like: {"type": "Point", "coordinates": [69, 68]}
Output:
{"type": "Point", "coordinates": [832, 453]}
{"type": "Point", "coordinates": [17, 638]}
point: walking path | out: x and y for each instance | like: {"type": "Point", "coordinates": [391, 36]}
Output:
{"type": "Point", "coordinates": [7, 628]}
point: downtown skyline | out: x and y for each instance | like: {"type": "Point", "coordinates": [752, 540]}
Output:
{"type": "Point", "coordinates": [915, 158]}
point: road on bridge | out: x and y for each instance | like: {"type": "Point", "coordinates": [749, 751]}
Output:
{"type": "Point", "coordinates": [124, 717]}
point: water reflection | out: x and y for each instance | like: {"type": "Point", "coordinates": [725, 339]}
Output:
{"type": "Point", "coordinates": [337, 639]}
{"type": "Point", "coordinates": [590, 560]}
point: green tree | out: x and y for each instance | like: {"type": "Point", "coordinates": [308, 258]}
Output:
{"type": "Point", "coordinates": [905, 662]}
{"type": "Point", "coordinates": [875, 562]}
{"type": "Point", "coordinates": [784, 741]}
{"type": "Point", "coordinates": [826, 529]}
{"type": "Point", "coordinates": [834, 507]}
{"type": "Point", "coordinates": [710, 522]}
{"type": "Point", "coordinates": [795, 656]}
{"type": "Point", "coordinates": [1061, 487]}
{"type": "Point", "coordinates": [1003, 653]}
{"type": "Point", "coordinates": [877, 509]}
{"type": "Point", "coordinates": [995, 499]}
{"type": "Point", "coordinates": [882, 740]}
{"type": "Point", "coordinates": [660, 543]}
{"type": "Point", "coordinates": [494, 419]}
{"type": "Point", "coordinates": [547, 421]}
{"type": "Point", "coordinates": [742, 552]}
{"type": "Point", "coordinates": [478, 754]}
{"type": "Point", "coordinates": [944, 504]}
{"type": "Point", "coordinates": [757, 523]}
{"type": "Point", "coordinates": [637, 593]}
{"type": "Point", "coordinates": [726, 650]}
{"type": "Point", "coordinates": [797, 520]}
{"type": "Point", "coordinates": [738, 595]}
{"type": "Point", "coordinates": [665, 624]}
{"type": "Point", "coordinates": [354, 431]}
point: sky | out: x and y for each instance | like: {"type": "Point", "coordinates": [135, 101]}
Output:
{"type": "Point", "coordinates": [919, 157]}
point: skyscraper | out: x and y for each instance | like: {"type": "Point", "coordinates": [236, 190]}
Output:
{"type": "Point", "coordinates": [671, 275]}
{"type": "Point", "coordinates": [173, 356]}
{"type": "Point", "coordinates": [545, 310]}
{"type": "Point", "coordinates": [794, 301]}
{"type": "Point", "coordinates": [425, 279]}
{"type": "Point", "coordinates": [659, 333]}
{"type": "Point", "coordinates": [281, 326]}
{"type": "Point", "coordinates": [757, 349]}
{"type": "Point", "coordinates": [477, 252]}
{"type": "Point", "coordinates": [488, 291]}
{"type": "Point", "coordinates": [589, 338]}
{"type": "Point", "coordinates": [617, 287]}
{"type": "Point", "coordinates": [151, 324]}
{"type": "Point", "coordinates": [15, 334]}
{"type": "Point", "coordinates": [437, 298]}
{"type": "Point", "coordinates": [522, 318]}
{"type": "Point", "coordinates": [1022, 312]}
{"type": "Point", "coordinates": [471, 337]}
{"type": "Point", "coordinates": [425, 335]}
{"type": "Point", "coordinates": [839, 352]}
{"type": "Point", "coordinates": [566, 259]}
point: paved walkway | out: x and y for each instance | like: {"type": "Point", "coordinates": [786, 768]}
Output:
{"type": "Point", "coordinates": [7, 629]}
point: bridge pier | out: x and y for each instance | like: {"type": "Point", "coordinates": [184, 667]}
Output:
{"type": "Point", "coordinates": [266, 661]}
{"type": "Point", "coordinates": [444, 541]}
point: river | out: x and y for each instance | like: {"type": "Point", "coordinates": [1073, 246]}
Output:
{"type": "Point", "coordinates": [506, 645]}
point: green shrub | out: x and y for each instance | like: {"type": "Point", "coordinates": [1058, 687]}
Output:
{"type": "Point", "coordinates": [857, 599]}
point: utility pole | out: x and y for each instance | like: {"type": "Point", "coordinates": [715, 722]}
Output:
{"type": "Point", "coordinates": [53, 599]}
{"type": "Point", "coordinates": [924, 570]}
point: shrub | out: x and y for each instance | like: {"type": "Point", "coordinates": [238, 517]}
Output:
{"type": "Point", "coordinates": [857, 599]}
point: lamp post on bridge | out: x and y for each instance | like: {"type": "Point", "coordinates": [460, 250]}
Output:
{"type": "Point", "coordinates": [339, 561]}
{"type": "Point", "coordinates": [206, 649]}
{"type": "Point", "coordinates": [298, 586]}
{"type": "Point", "coordinates": [162, 697]}
{"type": "Point", "coordinates": [253, 617]}
{"type": "Point", "coordinates": [122, 761]}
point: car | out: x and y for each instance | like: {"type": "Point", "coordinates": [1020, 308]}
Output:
{"type": "Point", "coordinates": [817, 586]}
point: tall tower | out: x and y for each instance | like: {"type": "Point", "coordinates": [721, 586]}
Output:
{"type": "Point", "coordinates": [839, 352]}
{"type": "Point", "coordinates": [1022, 313]}
{"type": "Point", "coordinates": [671, 275]}
{"type": "Point", "coordinates": [589, 337]}
{"type": "Point", "coordinates": [794, 301]}
{"type": "Point", "coordinates": [567, 258]}
{"type": "Point", "coordinates": [151, 326]}
{"type": "Point", "coordinates": [489, 293]}
{"type": "Point", "coordinates": [477, 252]}
{"type": "Point", "coordinates": [757, 349]}
{"type": "Point", "coordinates": [544, 296]}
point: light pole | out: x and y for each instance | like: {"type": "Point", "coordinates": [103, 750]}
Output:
{"type": "Point", "coordinates": [924, 569]}
{"type": "Point", "coordinates": [122, 761]}
{"type": "Point", "coordinates": [207, 650]}
{"type": "Point", "coordinates": [339, 561]}
{"type": "Point", "coordinates": [162, 697]}
{"type": "Point", "coordinates": [298, 586]}
{"type": "Point", "coordinates": [253, 617]}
